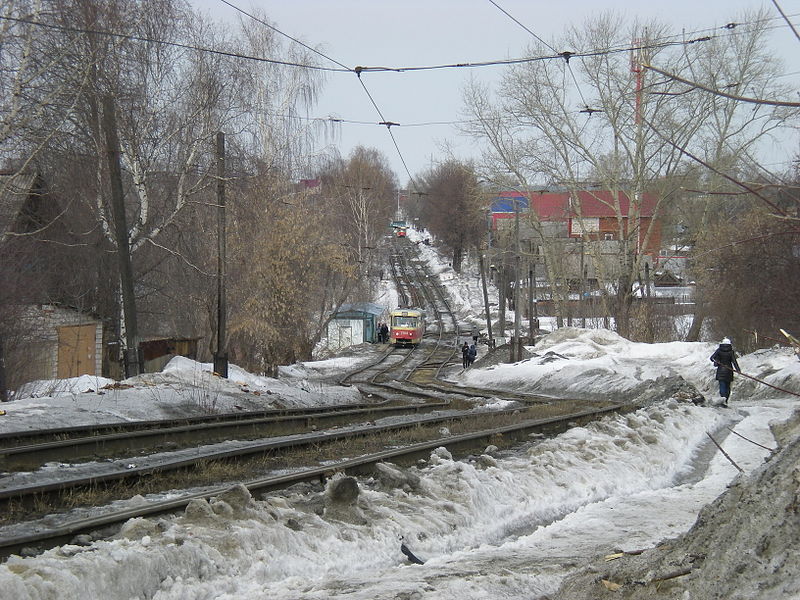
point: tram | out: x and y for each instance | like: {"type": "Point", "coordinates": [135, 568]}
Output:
{"type": "Point", "coordinates": [399, 227]}
{"type": "Point", "coordinates": [407, 326]}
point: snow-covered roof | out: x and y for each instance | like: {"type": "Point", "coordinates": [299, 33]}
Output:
{"type": "Point", "coordinates": [354, 308]}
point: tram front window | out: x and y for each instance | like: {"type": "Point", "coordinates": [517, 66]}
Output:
{"type": "Point", "coordinates": [404, 322]}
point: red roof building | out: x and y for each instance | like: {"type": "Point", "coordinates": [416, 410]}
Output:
{"type": "Point", "coordinates": [595, 214]}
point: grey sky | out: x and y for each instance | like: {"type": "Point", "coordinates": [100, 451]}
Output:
{"type": "Point", "coordinates": [418, 32]}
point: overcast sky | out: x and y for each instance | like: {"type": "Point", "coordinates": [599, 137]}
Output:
{"type": "Point", "coordinates": [400, 33]}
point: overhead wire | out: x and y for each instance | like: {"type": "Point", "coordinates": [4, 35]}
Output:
{"type": "Point", "coordinates": [785, 18]}
{"type": "Point", "coordinates": [286, 35]}
{"type": "Point", "coordinates": [367, 69]}
{"type": "Point", "coordinates": [565, 55]}
{"type": "Point", "coordinates": [518, 22]}
{"type": "Point", "coordinates": [357, 70]}
{"type": "Point", "coordinates": [705, 88]}
{"type": "Point", "coordinates": [667, 41]}
{"type": "Point", "coordinates": [389, 125]}
{"type": "Point", "coordinates": [149, 40]}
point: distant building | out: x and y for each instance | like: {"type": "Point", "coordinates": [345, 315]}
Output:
{"type": "Point", "coordinates": [593, 213]}
{"type": "Point", "coordinates": [53, 342]}
{"type": "Point", "coordinates": [586, 224]}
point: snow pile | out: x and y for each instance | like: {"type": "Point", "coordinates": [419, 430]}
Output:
{"type": "Point", "coordinates": [297, 545]}
{"type": "Point", "coordinates": [184, 388]}
{"type": "Point", "coordinates": [609, 364]}
{"type": "Point", "coordinates": [55, 388]}
{"type": "Point", "coordinates": [744, 545]}
{"type": "Point", "coordinates": [500, 525]}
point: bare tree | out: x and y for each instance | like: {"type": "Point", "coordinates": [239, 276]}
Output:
{"type": "Point", "coordinates": [362, 191]}
{"type": "Point", "coordinates": [595, 118]}
{"type": "Point", "coordinates": [453, 209]}
{"type": "Point", "coordinates": [284, 258]}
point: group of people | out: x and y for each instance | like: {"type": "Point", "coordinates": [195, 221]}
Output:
{"type": "Point", "coordinates": [383, 333]}
{"type": "Point", "coordinates": [468, 354]}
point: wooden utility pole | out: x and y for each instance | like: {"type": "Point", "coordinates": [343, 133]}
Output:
{"type": "Point", "coordinates": [534, 324]}
{"type": "Point", "coordinates": [221, 355]}
{"type": "Point", "coordinates": [3, 390]}
{"type": "Point", "coordinates": [132, 360]}
{"type": "Point", "coordinates": [516, 346]}
{"type": "Point", "coordinates": [482, 264]}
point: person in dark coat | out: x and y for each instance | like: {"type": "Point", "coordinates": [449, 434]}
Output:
{"type": "Point", "coordinates": [465, 355]}
{"type": "Point", "coordinates": [473, 354]}
{"type": "Point", "coordinates": [384, 333]}
{"type": "Point", "coordinates": [725, 361]}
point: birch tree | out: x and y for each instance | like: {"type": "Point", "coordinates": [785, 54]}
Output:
{"type": "Point", "coordinates": [363, 191]}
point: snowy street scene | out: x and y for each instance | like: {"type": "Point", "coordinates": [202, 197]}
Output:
{"type": "Point", "coordinates": [510, 524]}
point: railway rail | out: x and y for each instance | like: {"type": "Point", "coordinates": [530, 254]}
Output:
{"type": "Point", "coordinates": [20, 457]}
{"type": "Point", "coordinates": [459, 445]}
{"type": "Point", "coordinates": [417, 411]}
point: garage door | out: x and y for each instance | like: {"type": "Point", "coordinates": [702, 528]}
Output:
{"type": "Point", "coordinates": [76, 350]}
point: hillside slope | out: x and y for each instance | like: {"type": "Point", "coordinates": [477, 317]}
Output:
{"type": "Point", "coordinates": [743, 546]}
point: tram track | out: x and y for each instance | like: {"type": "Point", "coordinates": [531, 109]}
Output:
{"type": "Point", "coordinates": [21, 457]}
{"type": "Point", "coordinates": [407, 382]}
{"type": "Point", "coordinates": [460, 444]}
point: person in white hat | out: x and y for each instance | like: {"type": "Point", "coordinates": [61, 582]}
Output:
{"type": "Point", "coordinates": [725, 361]}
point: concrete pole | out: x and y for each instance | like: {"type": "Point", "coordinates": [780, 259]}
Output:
{"type": "Point", "coordinates": [131, 357]}
{"type": "Point", "coordinates": [221, 355]}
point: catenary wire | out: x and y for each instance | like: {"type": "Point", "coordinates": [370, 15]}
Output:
{"type": "Point", "coordinates": [510, 16]}
{"type": "Point", "coordinates": [785, 18]}
{"type": "Point", "coordinates": [141, 38]}
{"type": "Point", "coordinates": [357, 71]}
{"type": "Point", "coordinates": [364, 69]}
{"type": "Point", "coordinates": [286, 35]}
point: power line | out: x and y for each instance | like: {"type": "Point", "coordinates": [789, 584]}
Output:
{"type": "Point", "coordinates": [510, 16]}
{"type": "Point", "coordinates": [388, 125]}
{"type": "Point", "coordinates": [365, 69]}
{"type": "Point", "coordinates": [785, 18]}
{"type": "Point", "coordinates": [286, 35]}
{"type": "Point", "coordinates": [357, 71]}
{"type": "Point", "coordinates": [531, 59]}
{"type": "Point", "coordinates": [149, 40]}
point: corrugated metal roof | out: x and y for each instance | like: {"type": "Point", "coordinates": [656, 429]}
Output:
{"type": "Point", "coordinates": [560, 205]}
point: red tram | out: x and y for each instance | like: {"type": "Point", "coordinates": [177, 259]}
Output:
{"type": "Point", "coordinates": [407, 326]}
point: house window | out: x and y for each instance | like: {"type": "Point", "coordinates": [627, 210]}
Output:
{"type": "Point", "coordinates": [608, 236]}
{"type": "Point", "coordinates": [585, 225]}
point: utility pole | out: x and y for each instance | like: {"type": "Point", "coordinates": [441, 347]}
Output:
{"type": "Point", "coordinates": [4, 390]}
{"type": "Point", "coordinates": [221, 355]}
{"type": "Point", "coordinates": [131, 358]}
{"type": "Point", "coordinates": [582, 300]}
{"type": "Point", "coordinates": [625, 300]}
{"type": "Point", "coordinates": [531, 333]}
{"type": "Point", "coordinates": [516, 346]}
{"type": "Point", "coordinates": [535, 323]}
{"type": "Point", "coordinates": [482, 265]}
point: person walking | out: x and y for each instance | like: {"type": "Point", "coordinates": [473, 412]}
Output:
{"type": "Point", "coordinates": [725, 361]}
{"type": "Point", "coordinates": [384, 332]}
{"type": "Point", "coordinates": [465, 355]}
{"type": "Point", "coordinates": [473, 354]}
